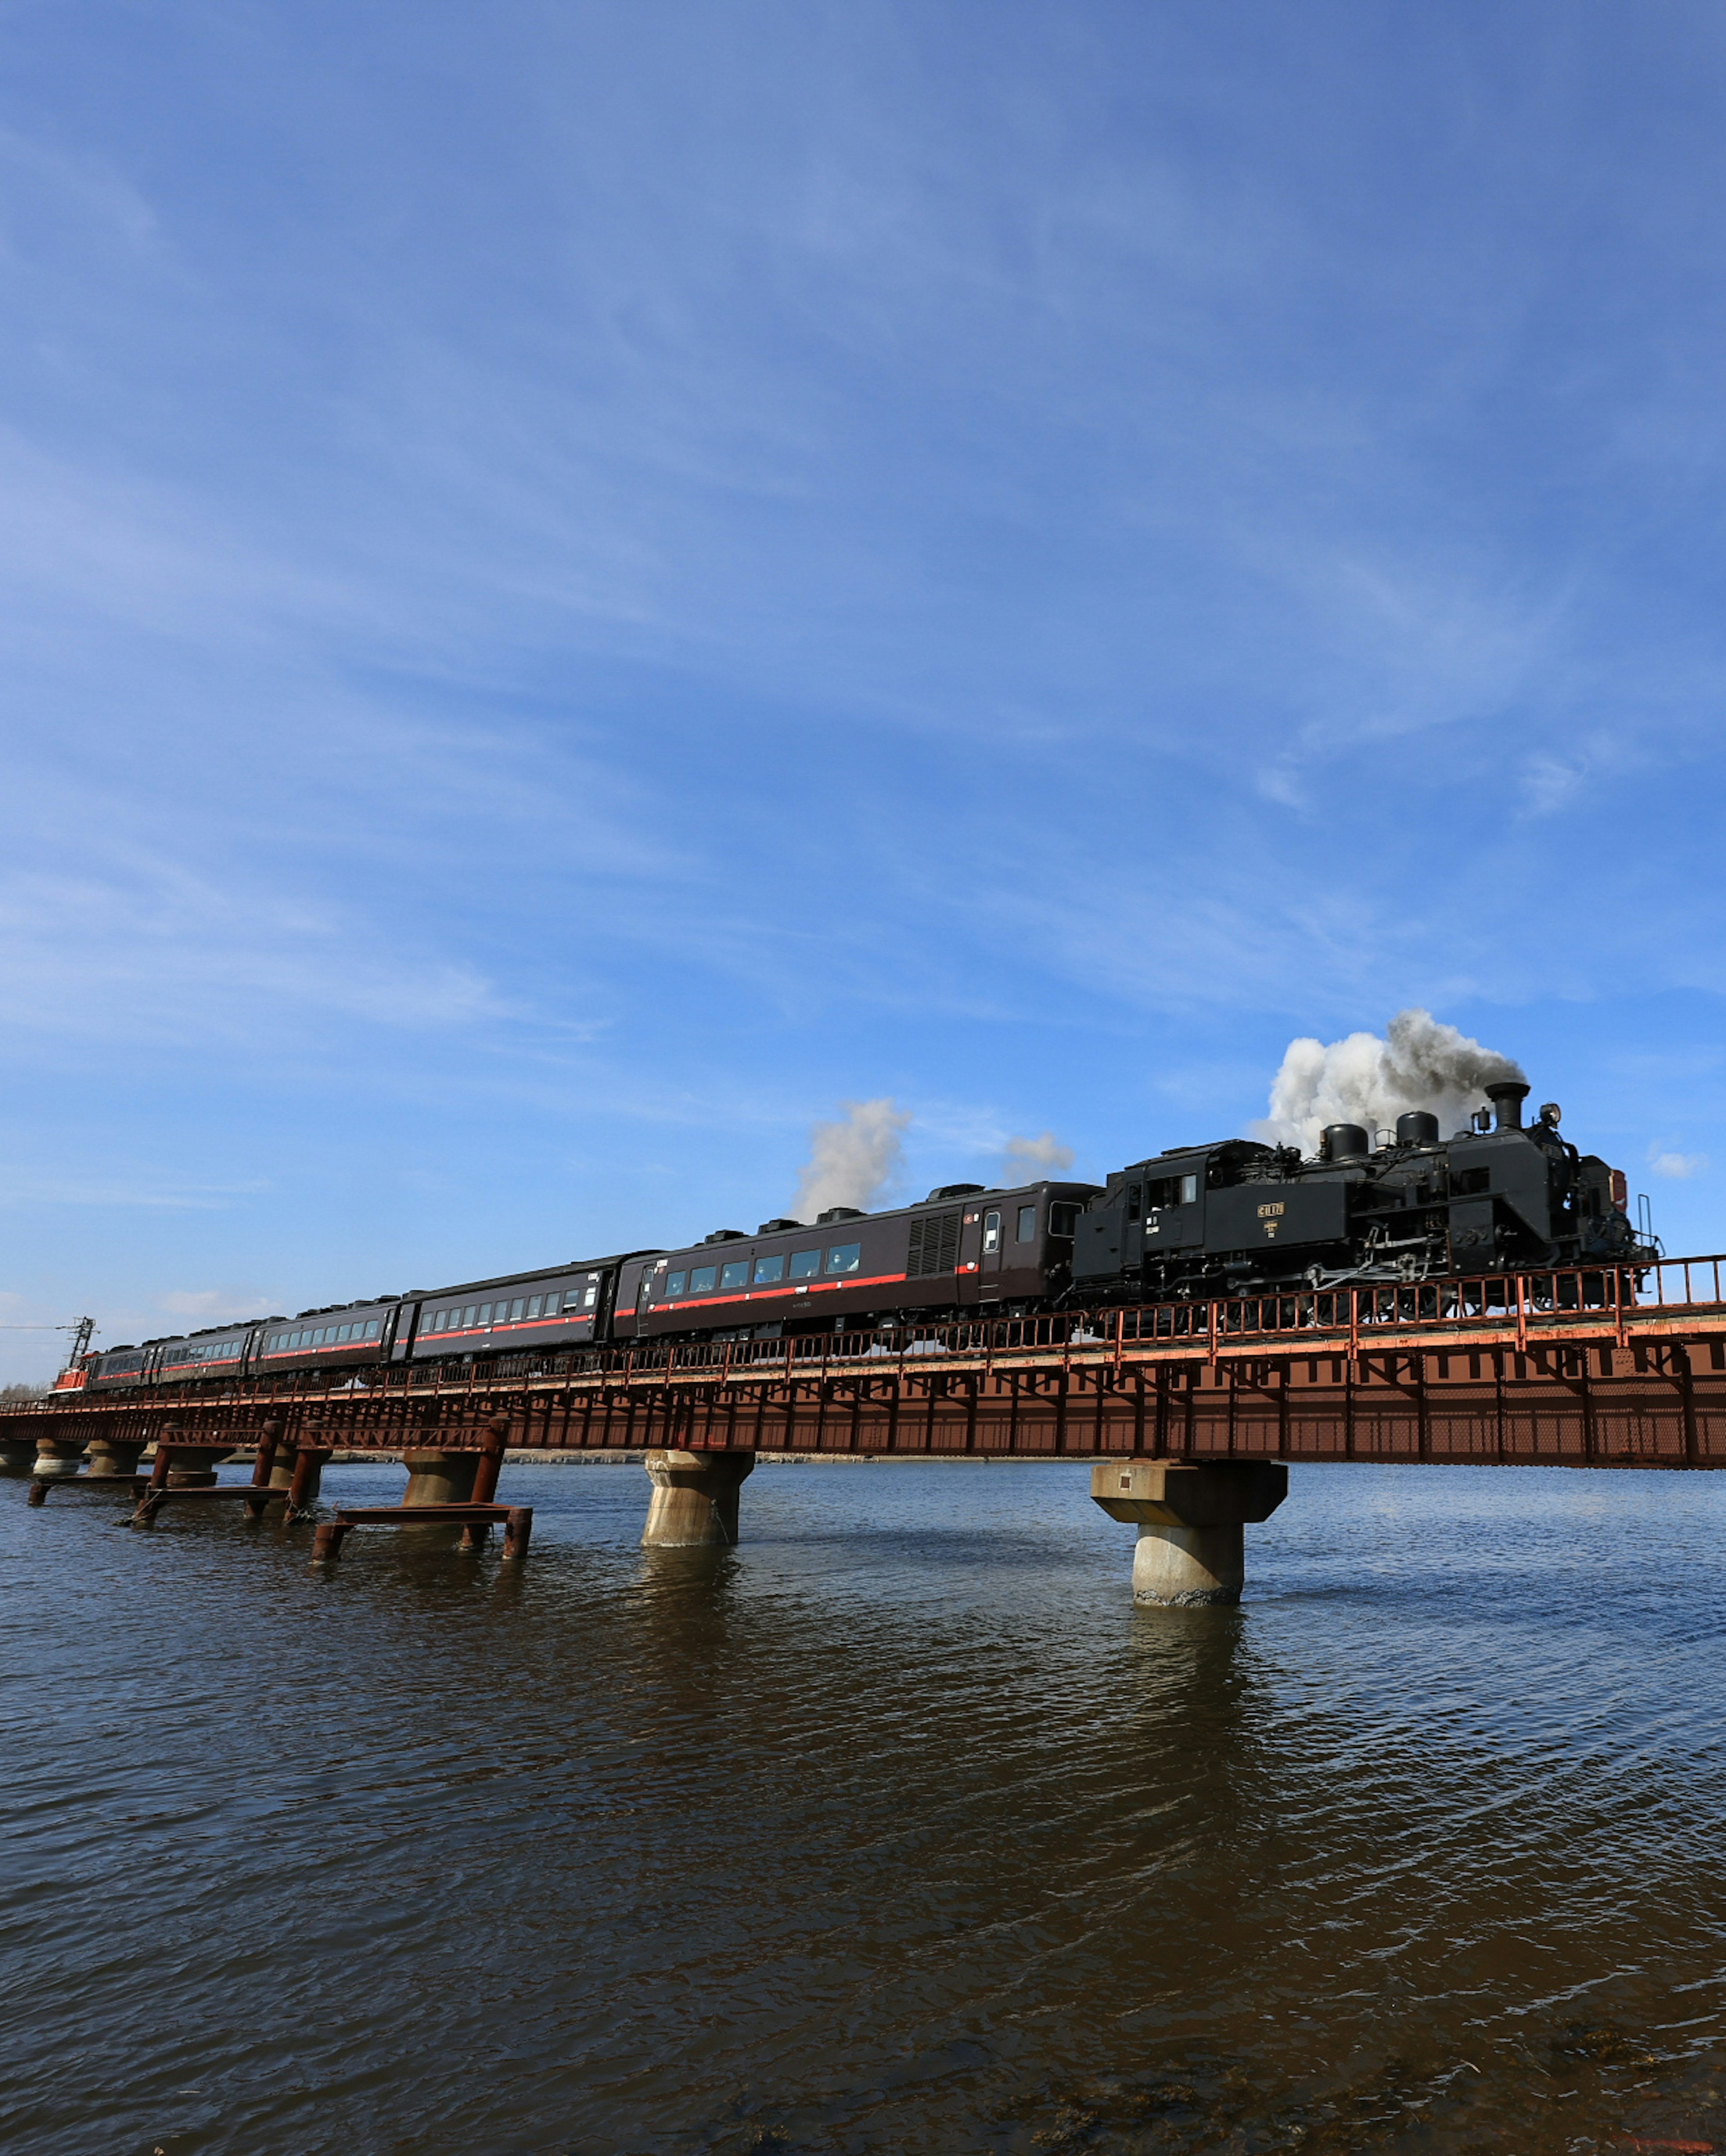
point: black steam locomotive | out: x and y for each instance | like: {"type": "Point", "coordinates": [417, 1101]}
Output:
{"type": "Point", "coordinates": [1208, 1220]}
{"type": "Point", "coordinates": [1228, 1219]}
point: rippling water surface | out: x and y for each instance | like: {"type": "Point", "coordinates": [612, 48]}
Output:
{"type": "Point", "coordinates": [898, 1828]}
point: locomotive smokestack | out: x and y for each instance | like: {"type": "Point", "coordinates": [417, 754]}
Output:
{"type": "Point", "coordinates": [1507, 1095]}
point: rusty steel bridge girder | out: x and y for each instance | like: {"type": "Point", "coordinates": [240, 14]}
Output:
{"type": "Point", "coordinates": [1579, 1368]}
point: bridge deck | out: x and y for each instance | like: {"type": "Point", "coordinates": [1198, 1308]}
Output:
{"type": "Point", "coordinates": [1582, 1368]}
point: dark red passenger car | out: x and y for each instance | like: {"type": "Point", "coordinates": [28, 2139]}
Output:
{"type": "Point", "coordinates": [963, 1249]}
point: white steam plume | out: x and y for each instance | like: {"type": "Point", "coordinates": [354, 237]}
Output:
{"type": "Point", "coordinates": [850, 1161]}
{"type": "Point", "coordinates": [1027, 1160]}
{"type": "Point", "coordinates": [1419, 1064]}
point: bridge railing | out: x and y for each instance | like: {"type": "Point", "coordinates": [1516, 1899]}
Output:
{"type": "Point", "coordinates": [1344, 1318]}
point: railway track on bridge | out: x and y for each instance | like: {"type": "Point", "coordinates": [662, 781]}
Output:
{"type": "Point", "coordinates": [1582, 1368]}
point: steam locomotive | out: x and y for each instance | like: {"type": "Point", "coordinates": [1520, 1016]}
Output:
{"type": "Point", "coordinates": [1236, 1217]}
{"type": "Point", "coordinates": [1227, 1218]}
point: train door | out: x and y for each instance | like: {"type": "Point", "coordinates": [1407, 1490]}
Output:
{"type": "Point", "coordinates": [992, 1236]}
{"type": "Point", "coordinates": [966, 1257]}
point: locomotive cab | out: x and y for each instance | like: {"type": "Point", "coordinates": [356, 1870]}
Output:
{"type": "Point", "coordinates": [1206, 1219]}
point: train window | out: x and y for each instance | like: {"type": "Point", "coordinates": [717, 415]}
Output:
{"type": "Point", "coordinates": [1027, 1223]}
{"type": "Point", "coordinates": [516, 1307]}
{"type": "Point", "coordinates": [536, 1303]}
{"type": "Point", "coordinates": [701, 1279]}
{"type": "Point", "coordinates": [674, 1283]}
{"type": "Point", "coordinates": [591, 1296]}
{"type": "Point", "coordinates": [1188, 1190]}
{"type": "Point", "coordinates": [572, 1298]}
{"type": "Point", "coordinates": [736, 1274]}
{"type": "Point", "coordinates": [1063, 1218]}
{"type": "Point", "coordinates": [469, 1316]}
{"type": "Point", "coordinates": [769, 1268]}
{"type": "Point", "coordinates": [374, 1328]}
{"type": "Point", "coordinates": [1132, 1197]}
{"type": "Point", "coordinates": [991, 1233]}
{"type": "Point", "coordinates": [844, 1257]}
{"type": "Point", "coordinates": [805, 1264]}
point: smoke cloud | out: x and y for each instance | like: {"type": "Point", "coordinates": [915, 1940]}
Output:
{"type": "Point", "coordinates": [1026, 1160]}
{"type": "Point", "coordinates": [1419, 1064]}
{"type": "Point", "coordinates": [850, 1160]}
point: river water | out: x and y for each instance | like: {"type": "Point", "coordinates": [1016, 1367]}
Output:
{"type": "Point", "coordinates": [899, 1829]}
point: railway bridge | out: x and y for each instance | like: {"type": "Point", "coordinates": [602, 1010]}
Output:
{"type": "Point", "coordinates": [1191, 1413]}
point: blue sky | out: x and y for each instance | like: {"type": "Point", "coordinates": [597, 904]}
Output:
{"type": "Point", "coordinates": [583, 584]}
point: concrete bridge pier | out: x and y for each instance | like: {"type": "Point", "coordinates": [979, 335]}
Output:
{"type": "Point", "coordinates": [57, 1457]}
{"type": "Point", "coordinates": [438, 1474]}
{"type": "Point", "coordinates": [695, 1499]}
{"type": "Point", "coordinates": [193, 1467]}
{"type": "Point", "coordinates": [444, 1475]}
{"type": "Point", "coordinates": [1190, 1516]}
{"type": "Point", "coordinates": [296, 1465]}
{"type": "Point", "coordinates": [114, 1458]}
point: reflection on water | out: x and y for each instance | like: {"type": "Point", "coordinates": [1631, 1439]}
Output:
{"type": "Point", "coordinates": [896, 1829]}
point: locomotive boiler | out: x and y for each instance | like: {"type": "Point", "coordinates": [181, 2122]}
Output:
{"type": "Point", "coordinates": [1399, 1205]}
